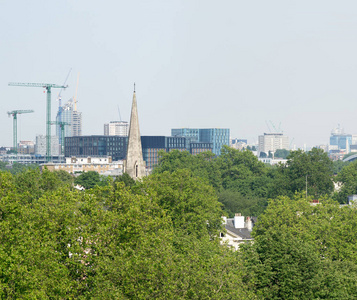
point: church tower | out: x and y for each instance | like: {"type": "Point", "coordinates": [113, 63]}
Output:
{"type": "Point", "coordinates": [134, 164]}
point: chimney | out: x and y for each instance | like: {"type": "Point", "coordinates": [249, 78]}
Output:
{"type": "Point", "coordinates": [224, 220]}
{"type": "Point", "coordinates": [249, 224]}
{"type": "Point", "coordinates": [238, 220]}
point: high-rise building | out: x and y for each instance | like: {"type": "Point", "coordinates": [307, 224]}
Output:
{"type": "Point", "coordinates": [40, 146]}
{"type": "Point", "coordinates": [339, 140]}
{"type": "Point", "coordinates": [69, 115]}
{"type": "Point", "coordinates": [218, 137]}
{"type": "Point", "coordinates": [120, 128]}
{"type": "Point", "coordinates": [270, 142]}
{"type": "Point", "coordinates": [76, 123]}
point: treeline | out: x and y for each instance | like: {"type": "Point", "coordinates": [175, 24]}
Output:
{"type": "Point", "coordinates": [159, 238]}
{"type": "Point", "coordinates": [244, 184]}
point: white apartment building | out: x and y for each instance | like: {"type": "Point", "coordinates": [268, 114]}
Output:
{"type": "Point", "coordinates": [119, 128]}
{"type": "Point", "coordinates": [100, 164]}
{"type": "Point", "coordinates": [272, 142]}
{"type": "Point", "coordinates": [40, 146]}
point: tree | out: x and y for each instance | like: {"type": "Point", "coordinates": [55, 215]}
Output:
{"type": "Point", "coordinates": [299, 248]}
{"type": "Point", "coordinates": [235, 202]}
{"type": "Point", "coordinates": [90, 179]}
{"type": "Point", "coordinates": [347, 179]}
{"type": "Point", "coordinates": [313, 167]}
{"type": "Point", "coordinates": [126, 179]}
{"type": "Point", "coordinates": [201, 165]}
{"type": "Point", "coordinates": [338, 165]}
{"type": "Point", "coordinates": [281, 153]}
{"type": "Point", "coordinates": [190, 202]}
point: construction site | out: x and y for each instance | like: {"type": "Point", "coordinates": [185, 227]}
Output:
{"type": "Point", "coordinates": [48, 147]}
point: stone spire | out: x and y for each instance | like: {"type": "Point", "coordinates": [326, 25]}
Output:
{"type": "Point", "coordinates": [134, 164]}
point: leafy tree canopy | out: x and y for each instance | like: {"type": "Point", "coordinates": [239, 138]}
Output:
{"type": "Point", "coordinates": [91, 179]}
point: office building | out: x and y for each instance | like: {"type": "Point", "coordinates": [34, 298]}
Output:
{"type": "Point", "coordinates": [96, 145]}
{"type": "Point", "coordinates": [120, 128]}
{"type": "Point", "coordinates": [340, 141]}
{"type": "Point", "coordinates": [218, 137]}
{"type": "Point", "coordinates": [270, 142]}
{"type": "Point", "coordinates": [71, 117]}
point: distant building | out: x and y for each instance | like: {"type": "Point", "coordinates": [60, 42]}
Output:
{"type": "Point", "coordinates": [217, 136]}
{"type": "Point", "coordinates": [120, 128]}
{"type": "Point", "coordinates": [153, 144]}
{"type": "Point", "coordinates": [272, 142]}
{"type": "Point", "coordinates": [236, 141]}
{"type": "Point", "coordinates": [27, 159]}
{"type": "Point", "coordinates": [26, 147]}
{"type": "Point", "coordinates": [96, 145]}
{"type": "Point", "coordinates": [116, 146]}
{"type": "Point", "coordinates": [340, 140]}
{"type": "Point", "coordinates": [100, 164]}
{"type": "Point", "coordinates": [76, 123]}
{"type": "Point", "coordinates": [273, 161]}
{"type": "Point", "coordinates": [68, 114]}
{"type": "Point", "coordinates": [238, 230]}
{"type": "Point", "coordinates": [40, 146]}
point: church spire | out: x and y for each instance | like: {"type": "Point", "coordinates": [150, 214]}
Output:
{"type": "Point", "coordinates": [134, 164]}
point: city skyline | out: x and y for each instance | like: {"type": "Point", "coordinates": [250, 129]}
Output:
{"type": "Point", "coordinates": [196, 66]}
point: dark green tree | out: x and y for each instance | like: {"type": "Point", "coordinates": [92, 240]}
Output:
{"type": "Point", "coordinates": [315, 167]}
{"type": "Point", "coordinates": [281, 153]}
{"type": "Point", "coordinates": [126, 179]}
{"type": "Point", "coordinates": [91, 179]}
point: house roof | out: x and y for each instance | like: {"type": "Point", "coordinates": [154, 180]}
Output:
{"type": "Point", "coordinates": [244, 233]}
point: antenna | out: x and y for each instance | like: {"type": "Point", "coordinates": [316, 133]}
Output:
{"type": "Point", "coordinates": [119, 114]}
{"type": "Point", "coordinates": [75, 97]}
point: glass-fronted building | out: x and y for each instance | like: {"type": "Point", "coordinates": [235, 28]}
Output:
{"type": "Point", "coordinates": [96, 145]}
{"type": "Point", "coordinates": [217, 136]}
{"type": "Point", "coordinates": [116, 146]}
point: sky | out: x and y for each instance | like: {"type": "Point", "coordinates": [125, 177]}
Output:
{"type": "Point", "coordinates": [200, 64]}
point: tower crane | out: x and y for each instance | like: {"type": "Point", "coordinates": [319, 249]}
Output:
{"type": "Point", "coordinates": [61, 125]}
{"type": "Point", "coordinates": [59, 98]}
{"type": "Point", "coordinates": [48, 87]}
{"type": "Point", "coordinates": [14, 114]}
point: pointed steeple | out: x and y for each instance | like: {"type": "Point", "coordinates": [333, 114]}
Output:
{"type": "Point", "coordinates": [134, 164]}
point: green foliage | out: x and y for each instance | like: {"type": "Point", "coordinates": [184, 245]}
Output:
{"type": "Point", "coordinates": [318, 168]}
{"type": "Point", "coordinates": [190, 202]}
{"type": "Point", "coordinates": [114, 242]}
{"type": "Point", "coordinates": [234, 202]}
{"type": "Point", "coordinates": [201, 165]}
{"type": "Point", "coordinates": [91, 179]}
{"type": "Point", "coordinates": [126, 179]}
{"type": "Point", "coordinates": [299, 248]}
{"type": "Point", "coordinates": [347, 179]}
{"type": "Point", "coordinates": [338, 165]}
{"type": "Point", "coordinates": [281, 153]}
{"type": "Point", "coordinates": [238, 168]}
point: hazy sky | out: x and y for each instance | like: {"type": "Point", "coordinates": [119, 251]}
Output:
{"type": "Point", "coordinates": [226, 64]}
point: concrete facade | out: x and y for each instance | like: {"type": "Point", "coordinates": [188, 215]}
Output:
{"type": "Point", "coordinates": [103, 165]}
{"type": "Point", "coordinates": [272, 142]}
{"type": "Point", "coordinates": [119, 128]}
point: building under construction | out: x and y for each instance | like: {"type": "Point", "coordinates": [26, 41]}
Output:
{"type": "Point", "coordinates": [68, 113]}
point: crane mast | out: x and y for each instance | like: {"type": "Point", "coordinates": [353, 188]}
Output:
{"type": "Point", "coordinates": [14, 114]}
{"type": "Point", "coordinates": [61, 125]}
{"type": "Point", "coordinates": [48, 87]}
